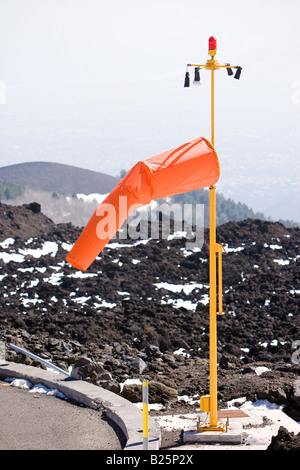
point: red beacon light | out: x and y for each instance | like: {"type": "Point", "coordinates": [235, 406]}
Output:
{"type": "Point", "coordinates": [212, 43]}
{"type": "Point", "coordinates": [212, 46]}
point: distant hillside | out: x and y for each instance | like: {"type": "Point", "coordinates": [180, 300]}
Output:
{"type": "Point", "coordinates": [226, 209]}
{"type": "Point", "coordinates": [10, 190]}
{"type": "Point", "coordinates": [52, 184]}
{"type": "Point", "coordinates": [58, 178]}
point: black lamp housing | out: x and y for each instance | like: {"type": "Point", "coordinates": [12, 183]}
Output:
{"type": "Point", "coordinates": [197, 75]}
{"type": "Point", "coordinates": [238, 73]}
{"type": "Point", "coordinates": [229, 70]}
{"type": "Point", "coordinates": [187, 80]}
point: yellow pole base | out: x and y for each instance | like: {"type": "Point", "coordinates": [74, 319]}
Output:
{"type": "Point", "coordinates": [220, 427]}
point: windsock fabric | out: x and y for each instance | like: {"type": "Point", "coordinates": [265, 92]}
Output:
{"type": "Point", "coordinates": [191, 166]}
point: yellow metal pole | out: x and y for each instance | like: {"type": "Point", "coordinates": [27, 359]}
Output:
{"type": "Point", "coordinates": [209, 403]}
{"type": "Point", "coordinates": [213, 404]}
{"type": "Point", "coordinates": [213, 106]}
{"type": "Point", "coordinates": [213, 311]}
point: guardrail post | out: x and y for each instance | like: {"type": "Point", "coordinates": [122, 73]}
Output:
{"type": "Point", "coordinates": [145, 415]}
{"type": "Point", "coordinates": [2, 352]}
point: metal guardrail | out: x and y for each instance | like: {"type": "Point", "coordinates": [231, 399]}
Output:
{"type": "Point", "coordinates": [43, 361]}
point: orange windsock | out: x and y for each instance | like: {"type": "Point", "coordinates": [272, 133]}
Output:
{"type": "Point", "coordinates": [191, 166]}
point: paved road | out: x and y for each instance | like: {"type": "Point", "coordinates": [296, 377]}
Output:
{"type": "Point", "coordinates": [34, 421]}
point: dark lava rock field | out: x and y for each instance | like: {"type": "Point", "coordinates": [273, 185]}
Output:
{"type": "Point", "coordinates": [142, 308]}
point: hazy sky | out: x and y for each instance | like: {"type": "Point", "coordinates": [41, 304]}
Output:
{"type": "Point", "coordinates": [99, 84]}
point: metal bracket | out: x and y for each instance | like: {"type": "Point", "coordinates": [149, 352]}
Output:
{"type": "Point", "coordinates": [219, 250]}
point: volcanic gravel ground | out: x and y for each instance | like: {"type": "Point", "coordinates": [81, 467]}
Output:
{"type": "Point", "coordinates": [142, 308]}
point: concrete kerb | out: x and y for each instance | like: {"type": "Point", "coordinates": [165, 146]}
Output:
{"type": "Point", "coordinates": [121, 411]}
